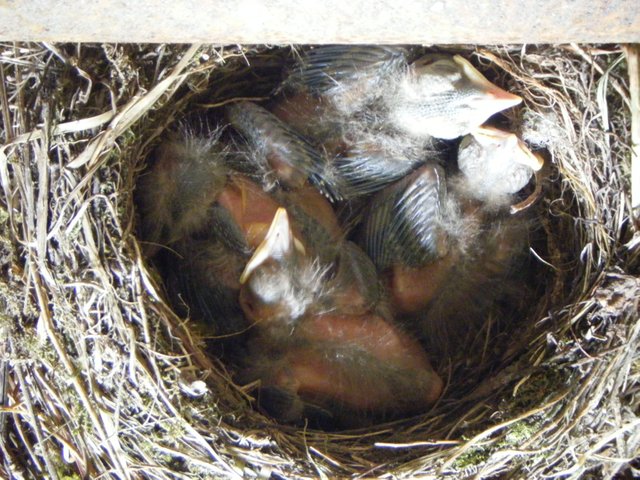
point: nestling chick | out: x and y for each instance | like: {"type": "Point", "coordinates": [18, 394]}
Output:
{"type": "Point", "coordinates": [210, 262]}
{"type": "Point", "coordinates": [212, 219]}
{"type": "Point", "coordinates": [407, 233]}
{"type": "Point", "coordinates": [376, 112]}
{"type": "Point", "coordinates": [438, 96]}
{"type": "Point", "coordinates": [424, 232]}
{"type": "Point", "coordinates": [188, 172]}
{"type": "Point", "coordinates": [445, 97]}
{"type": "Point", "coordinates": [283, 282]}
{"type": "Point", "coordinates": [279, 282]}
{"type": "Point", "coordinates": [483, 271]}
{"type": "Point", "coordinates": [318, 344]}
{"type": "Point", "coordinates": [486, 279]}
{"type": "Point", "coordinates": [353, 369]}
{"type": "Point", "coordinates": [495, 165]}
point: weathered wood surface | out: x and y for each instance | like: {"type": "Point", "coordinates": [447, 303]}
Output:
{"type": "Point", "coordinates": [633, 61]}
{"type": "Point", "coordinates": [322, 21]}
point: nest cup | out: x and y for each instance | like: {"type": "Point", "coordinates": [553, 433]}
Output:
{"type": "Point", "coordinates": [101, 377]}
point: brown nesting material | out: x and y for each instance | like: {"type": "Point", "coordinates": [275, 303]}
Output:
{"type": "Point", "coordinates": [101, 378]}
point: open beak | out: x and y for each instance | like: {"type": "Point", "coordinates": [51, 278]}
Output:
{"type": "Point", "coordinates": [535, 162]}
{"type": "Point", "coordinates": [496, 95]}
{"type": "Point", "coordinates": [502, 98]}
{"type": "Point", "coordinates": [510, 141]}
{"type": "Point", "coordinates": [278, 244]}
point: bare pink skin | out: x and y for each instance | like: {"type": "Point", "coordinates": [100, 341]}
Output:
{"type": "Point", "coordinates": [369, 332]}
{"type": "Point", "coordinates": [251, 208]}
{"type": "Point", "coordinates": [349, 300]}
{"type": "Point", "coordinates": [411, 289]}
{"type": "Point", "coordinates": [287, 173]}
{"type": "Point", "coordinates": [356, 377]}
{"type": "Point", "coordinates": [312, 376]}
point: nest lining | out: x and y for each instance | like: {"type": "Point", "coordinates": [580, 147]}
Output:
{"type": "Point", "coordinates": [101, 377]}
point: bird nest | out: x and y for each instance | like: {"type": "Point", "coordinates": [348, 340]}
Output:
{"type": "Point", "coordinates": [100, 378]}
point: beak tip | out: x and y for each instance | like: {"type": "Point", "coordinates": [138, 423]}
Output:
{"type": "Point", "coordinates": [506, 98]}
{"type": "Point", "coordinates": [538, 162]}
{"type": "Point", "coordinates": [278, 241]}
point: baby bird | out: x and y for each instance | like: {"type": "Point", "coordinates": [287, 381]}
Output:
{"type": "Point", "coordinates": [445, 97]}
{"type": "Point", "coordinates": [188, 172]}
{"type": "Point", "coordinates": [210, 219]}
{"type": "Point", "coordinates": [448, 250]}
{"type": "Point", "coordinates": [284, 281]}
{"type": "Point", "coordinates": [485, 272]}
{"type": "Point", "coordinates": [211, 262]}
{"type": "Point", "coordinates": [376, 113]}
{"type": "Point", "coordinates": [279, 284]}
{"type": "Point", "coordinates": [346, 370]}
{"type": "Point", "coordinates": [318, 353]}
{"type": "Point", "coordinates": [495, 165]}
{"type": "Point", "coordinates": [423, 232]}
{"type": "Point", "coordinates": [485, 280]}
{"type": "Point", "coordinates": [436, 95]}
{"type": "Point", "coordinates": [405, 233]}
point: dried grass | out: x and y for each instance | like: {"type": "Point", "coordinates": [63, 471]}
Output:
{"type": "Point", "coordinates": [100, 379]}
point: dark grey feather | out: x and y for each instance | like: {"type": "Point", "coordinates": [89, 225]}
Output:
{"type": "Point", "coordinates": [272, 140]}
{"type": "Point", "coordinates": [322, 68]}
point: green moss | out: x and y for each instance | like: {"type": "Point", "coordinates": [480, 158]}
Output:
{"type": "Point", "coordinates": [519, 432]}
{"type": "Point", "coordinates": [64, 470]}
{"type": "Point", "coordinates": [4, 217]}
{"type": "Point", "coordinates": [539, 387]}
{"type": "Point", "coordinates": [472, 458]}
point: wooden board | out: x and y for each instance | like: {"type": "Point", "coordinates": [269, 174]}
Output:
{"type": "Point", "coordinates": [633, 62]}
{"type": "Point", "coordinates": [321, 21]}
